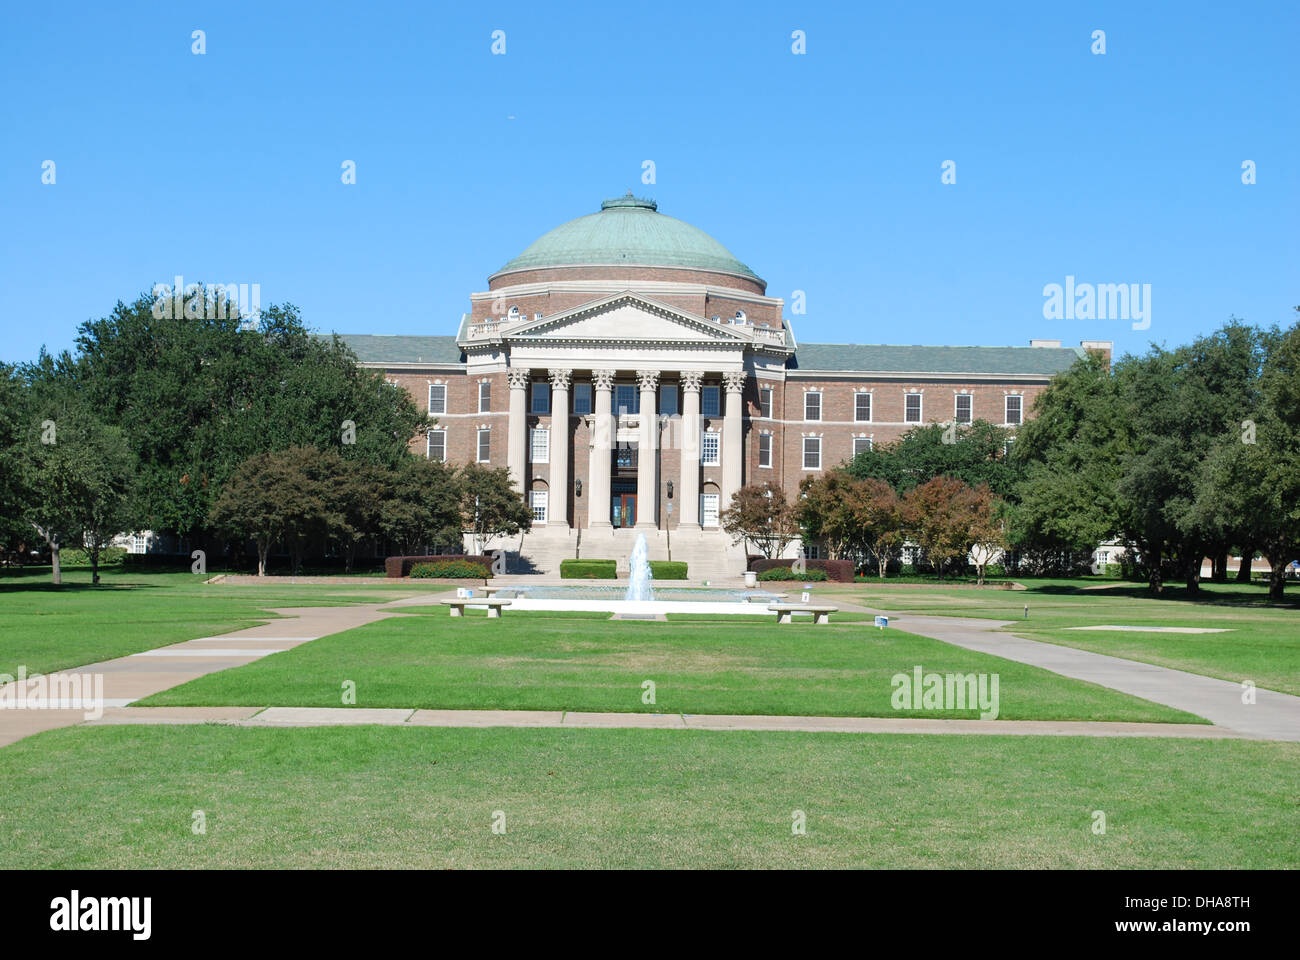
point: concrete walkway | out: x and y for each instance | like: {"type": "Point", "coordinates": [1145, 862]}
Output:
{"type": "Point", "coordinates": [410, 717]}
{"type": "Point", "coordinates": [1273, 716]}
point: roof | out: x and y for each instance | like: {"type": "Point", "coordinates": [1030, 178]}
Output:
{"type": "Point", "coordinates": [374, 348]}
{"type": "Point", "coordinates": [885, 358]}
{"type": "Point", "coordinates": [628, 230]}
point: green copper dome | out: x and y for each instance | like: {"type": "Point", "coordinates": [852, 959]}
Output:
{"type": "Point", "coordinates": [628, 230]}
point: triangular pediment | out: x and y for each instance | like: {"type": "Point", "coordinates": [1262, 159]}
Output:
{"type": "Point", "coordinates": [623, 317]}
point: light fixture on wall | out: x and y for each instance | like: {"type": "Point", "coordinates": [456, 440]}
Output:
{"type": "Point", "coordinates": [670, 489]}
{"type": "Point", "coordinates": [577, 488]}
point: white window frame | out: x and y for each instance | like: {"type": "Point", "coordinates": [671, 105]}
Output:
{"type": "Point", "coordinates": [857, 398]}
{"type": "Point", "coordinates": [870, 445]}
{"type": "Point", "coordinates": [765, 402]}
{"type": "Point", "coordinates": [1020, 409]}
{"type": "Point", "coordinates": [714, 408]}
{"type": "Point", "coordinates": [441, 389]}
{"type": "Point", "coordinates": [539, 504]}
{"type": "Point", "coordinates": [705, 437]}
{"type": "Point", "coordinates": [485, 394]}
{"type": "Point", "coordinates": [583, 391]}
{"type": "Point", "coordinates": [540, 390]}
{"type": "Point", "coordinates": [818, 442]}
{"type": "Point", "coordinates": [808, 396]}
{"type": "Point", "coordinates": [707, 500]}
{"type": "Point", "coordinates": [542, 436]}
{"type": "Point", "coordinates": [428, 445]}
{"type": "Point", "coordinates": [484, 433]}
{"type": "Point", "coordinates": [956, 408]}
{"type": "Point", "coordinates": [765, 462]}
{"type": "Point", "coordinates": [920, 408]}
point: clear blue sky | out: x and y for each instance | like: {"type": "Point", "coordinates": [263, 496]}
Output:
{"type": "Point", "coordinates": [821, 171]}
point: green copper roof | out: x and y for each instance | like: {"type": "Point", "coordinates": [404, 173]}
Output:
{"type": "Point", "coordinates": [887, 358]}
{"type": "Point", "coordinates": [628, 230]}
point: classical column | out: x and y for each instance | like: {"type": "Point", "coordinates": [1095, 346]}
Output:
{"type": "Point", "coordinates": [647, 453]}
{"type": "Point", "coordinates": [733, 453]}
{"type": "Point", "coordinates": [688, 496]}
{"type": "Point", "coordinates": [559, 499]}
{"type": "Point", "coordinates": [517, 443]}
{"type": "Point", "coordinates": [602, 435]}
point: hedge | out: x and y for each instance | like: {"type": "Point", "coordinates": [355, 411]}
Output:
{"type": "Point", "coordinates": [668, 569]}
{"type": "Point", "coordinates": [841, 571]}
{"type": "Point", "coordinates": [395, 567]}
{"type": "Point", "coordinates": [787, 573]}
{"type": "Point", "coordinates": [574, 569]}
{"type": "Point", "coordinates": [450, 570]}
{"type": "Point", "coordinates": [76, 557]}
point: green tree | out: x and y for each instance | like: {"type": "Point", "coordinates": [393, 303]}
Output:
{"type": "Point", "coordinates": [490, 506]}
{"type": "Point", "coordinates": [420, 505]}
{"type": "Point", "coordinates": [761, 514]}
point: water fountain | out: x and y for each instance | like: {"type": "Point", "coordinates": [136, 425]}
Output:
{"type": "Point", "coordinates": [639, 575]}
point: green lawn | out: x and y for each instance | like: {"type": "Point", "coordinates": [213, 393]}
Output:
{"type": "Point", "coordinates": [49, 628]}
{"type": "Point", "coordinates": [371, 797]}
{"type": "Point", "coordinates": [1263, 644]}
{"type": "Point", "coordinates": [522, 662]}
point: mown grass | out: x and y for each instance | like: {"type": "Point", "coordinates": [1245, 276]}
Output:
{"type": "Point", "coordinates": [520, 662]}
{"type": "Point", "coordinates": [381, 797]}
{"type": "Point", "coordinates": [1262, 645]}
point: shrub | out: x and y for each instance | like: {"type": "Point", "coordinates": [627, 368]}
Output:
{"type": "Point", "coordinates": [907, 570]}
{"type": "Point", "coordinates": [668, 569]}
{"type": "Point", "coordinates": [841, 571]}
{"type": "Point", "coordinates": [574, 569]}
{"type": "Point", "coordinates": [401, 566]}
{"type": "Point", "coordinates": [449, 570]}
{"type": "Point", "coordinates": [787, 573]}
{"type": "Point", "coordinates": [76, 557]}
{"type": "Point", "coordinates": [1114, 570]}
{"type": "Point", "coordinates": [995, 570]}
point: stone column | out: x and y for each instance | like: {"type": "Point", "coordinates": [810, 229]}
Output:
{"type": "Point", "coordinates": [733, 452]}
{"type": "Point", "coordinates": [688, 495]}
{"type": "Point", "coordinates": [517, 442]}
{"type": "Point", "coordinates": [602, 436]}
{"type": "Point", "coordinates": [647, 453]}
{"type": "Point", "coordinates": [558, 515]}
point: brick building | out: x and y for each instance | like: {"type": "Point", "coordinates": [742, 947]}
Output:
{"type": "Point", "coordinates": [632, 374]}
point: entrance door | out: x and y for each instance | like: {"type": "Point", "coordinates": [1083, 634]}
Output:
{"type": "Point", "coordinates": [623, 509]}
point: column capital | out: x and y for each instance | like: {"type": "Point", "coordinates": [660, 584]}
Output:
{"type": "Point", "coordinates": [647, 379]}
{"type": "Point", "coordinates": [519, 377]}
{"type": "Point", "coordinates": [603, 379]}
{"type": "Point", "coordinates": [560, 378]}
{"type": "Point", "coordinates": [692, 380]}
{"type": "Point", "coordinates": [734, 380]}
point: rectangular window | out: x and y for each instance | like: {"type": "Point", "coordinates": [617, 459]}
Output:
{"type": "Point", "coordinates": [861, 445]}
{"type": "Point", "coordinates": [537, 500]}
{"type": "Point", "coordinates": [539, 445]}
{"type": "Point", "coordinates": [710, 402]}
{"type": "Point", "coordinates": [484, 446]}
{"type": "Point", "coordinates": [862, 407]}
{"type": "Point", "coordinates": [436, 445]}
{"type": "Point", "coordinates": [541, 398]}
{"type": "Point", "coordinates": [765, 402]}
{"type": "Point", "coordinates": [437, 398]}
{"type": "Point", "coordinates": [764, 449]}
{"type": "Point", "coordinates": [709, 509]}
{"type": "Point", "coordinates": [710, 448]}
{"type": "Point", "coordinates": [484, 397]}
{"type": "Point", "coordinates": [962, 414]}
{"type": "Point", "coordinates": [812, 552]}
{"type": "Point", "coordinates": [912, 408]}
{"type": "Point", "coordinates": [582, 398]}
{"type": "Point", "coordinates": [626, 399]}
{"type": "Point", "coordinates": [668, 400]}
{"type": "Point", "coordinates": [1013, 409]}
{"type": "Point", "coordinates": [812, 453]}
{"type": "Point", "coordinates": [812, 406]}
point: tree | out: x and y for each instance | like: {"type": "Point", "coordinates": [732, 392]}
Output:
{"type": "Point", "coordinates": [761, 514]}
{"type": "Point", "coordinates": [490, 506]}
{"type": "Point", "coordinates": [825, 515]}
{"type": "Point", "coordinates": [420, 505]}
{"type": "Point", "coordinates": [974, 453]}
{"type": "Point", "coordinates": [878, 512]}
{"type": "Point", "coordinates": [939, 514]}
{"type": "Point", "coordinates": [12, 423]}
{"type": "Point", "coordinates": [288, 495]}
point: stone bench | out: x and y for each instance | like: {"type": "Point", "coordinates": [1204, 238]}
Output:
{"type": "Point", "coordinates": [820, 613]}
{"type": "Point", "coordinates": [460, 603]}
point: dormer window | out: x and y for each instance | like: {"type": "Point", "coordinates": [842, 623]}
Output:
{"type": "Point", "coordinates": [740, 317]}
{"type": "Point", "coordinates": [512, 313]}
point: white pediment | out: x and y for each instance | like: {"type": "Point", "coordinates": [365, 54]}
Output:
{"type": "Point", "coordinates": [627, 317]}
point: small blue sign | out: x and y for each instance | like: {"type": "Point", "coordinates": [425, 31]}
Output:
{"type": "Point", "coordinates": [882, 622]}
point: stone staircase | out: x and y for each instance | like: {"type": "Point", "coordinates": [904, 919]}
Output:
{"type": "Point", "coordinates": [708, 554]}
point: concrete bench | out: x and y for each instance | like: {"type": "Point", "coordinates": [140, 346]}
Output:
{"type": "Point", "coordinates": [784, 611]}
{"type": "Point", "coordinates": [460, 603]}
